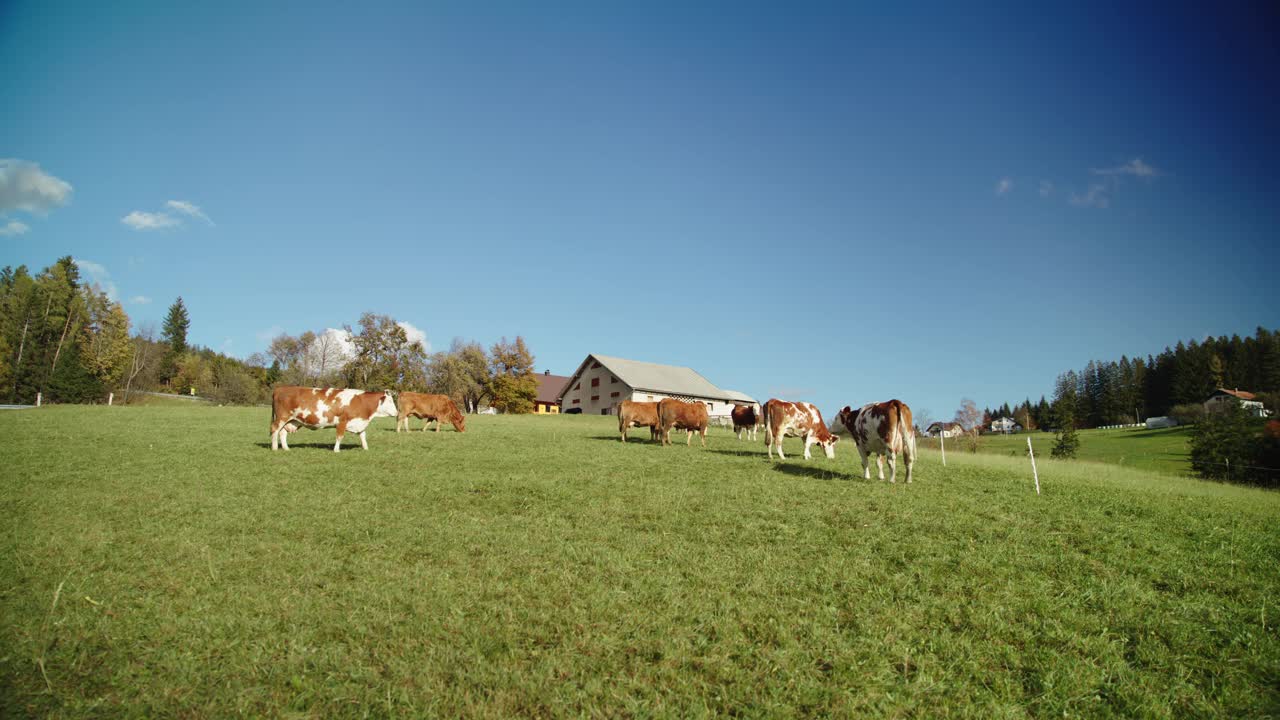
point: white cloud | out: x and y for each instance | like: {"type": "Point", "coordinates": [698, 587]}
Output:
{"type": "Point", "coordinates": [1004, 186]}
{"type": "Point", "coordinates": [13, 227]}
{"type": "Point", "coordinates": [139, 220]}
{"type": "Point", "coordinates": [188, 208]}
{"type": "Point", "coordinates": [1135, 167]}
{"type": "Point", "coordinates": [143, 220]}
{"type": "Point", "coordinates": [139, 300]}
{"type": "Point", "coordinates": [99, 276]}
{"type": "Point", "coordinates": [24, 186]}
{"type": "Point", "coordinates": [415, 335]}
{"type": "Point", "coordinates": [1046, 188]}
{"type": "Point", "coordinates": [270, 333]}
{"type": "Point", "coordinates": [1096, 196]}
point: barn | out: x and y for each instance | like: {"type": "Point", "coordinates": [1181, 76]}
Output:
{"type": "Point", "coordinates": [602, 382]}
{"type": "Point", "coordinates": [549, 389]}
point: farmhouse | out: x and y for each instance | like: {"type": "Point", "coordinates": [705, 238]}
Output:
{"type": "Point", "coordinates": [549, 389]}
{"type": "Point", "coordinates": [1005, 425]}
{"type": "Point", "coordinates": [1222, 398]}
{"type": "Point", "coordinates": [602, 382]}
{"type": "Point", "coordinates": [944, 429]}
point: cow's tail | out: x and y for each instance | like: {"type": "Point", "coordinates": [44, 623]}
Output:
{"type": "Point", "coordinates": [768, 425]}
{"type": "Point", "coordinates": [906, 431]}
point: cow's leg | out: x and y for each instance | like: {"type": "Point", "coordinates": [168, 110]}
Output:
{"type": "Point", "coordinates": [275, 437]}
{"type": "Point", "coordinates": [437, 425]}
{"type": "Point", "coordinates": [425, 423]}
{"type": "Point", "coordinates": [284, 436]}
{"type": "Point", "coordinates": [909, 454]}
{"type": "Point", "coordinates": [893, 467]}
{"type": "Point", "coordinates": [704, 437]}
{"type": "Point", "coordinates": [342, 430]}
{"type": "Point", "coordinates": [808, 440]}
{"type": "Point", "coordinates": [880, 463]}
{"type": "Point", "coordinates": [866, 468]}
{"type": "Point", "coordinates": [688, 437]}
{"type": "Point", "coordinates": [402, 420]}
{"type": "Point", "coordinates": [363, 443]}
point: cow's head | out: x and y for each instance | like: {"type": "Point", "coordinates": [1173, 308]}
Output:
{"type": "Point", "coordinates": [386, 406]}
{"type": "Point", "coordinates": [459, 421]}
{"type": "Point", "coordinates": [845, 419]}
{"type": "Point", "coordinates": [829, 445]}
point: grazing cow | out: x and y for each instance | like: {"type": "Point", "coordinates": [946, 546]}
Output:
{"type": "Point", "coordinates": [688, 416]}
{"type": "Point", "coordinates": [633, 414]}
{"type": "Point", "coordinates": [802, 419]}
{"type": "Point", "coordinates": [745, 420]}
{"type": "Point", "coordinates": [292, 407]}
{"type": "Point", "coordinates": [882, 428]}
{"type": "Point", "coordinates": [429, 407]}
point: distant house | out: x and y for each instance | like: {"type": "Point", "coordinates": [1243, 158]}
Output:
{"type": "Point", "coordinates": [944, 429]}
{"type": "Point", "coordinates": [602, 382]}
{"type": "Point", "coordinates": [1161, 421]}
{"type": "Point", "coordinates": [1223, 398]}
{"type": "Point", "coordinates": [1005, 425]}
{"type": "Point", "coordinates": [549, 389]}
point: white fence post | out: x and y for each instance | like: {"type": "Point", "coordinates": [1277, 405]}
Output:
{"type": "Point", "coordinates": [39, 399]}
{"type": "Point", "coordinates": [110, 398]}
{"type": "Point", "coordinates": [942, 442]}
{"type": "Point", "coordinates": [1034, 474]}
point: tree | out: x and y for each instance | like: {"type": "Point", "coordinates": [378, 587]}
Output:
{"type": "Point", "coordinates": [512, 385]}
{"type": "Point", "coordinates": [462, 373]}
{"type": "Point", "coordinates": [1222, 440]}
{"type": "Point", "coordinates": [105, 347]}
{"type": "Point", "coordinates": [385, 359]}
{"type": "Point", "coordinates": [969, 416]}
{"type": "Point", "coordinates": [1065, 402]}
{"type": "Point", "coordinates": [143, 347]}
{"type": "Point", "coordinates": [174, 335]}
{"type": "Point", "coordinates": [176, 323]}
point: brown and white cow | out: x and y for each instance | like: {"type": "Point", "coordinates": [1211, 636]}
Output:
{"type": "Point", "coordinates": [797, 419]}
{"type": "Point", "coordinates": [429, 407]}
{"type": "Point", "coordinates": [292, 407]}
{"type": "Point", "coordinates": [882, 428]}
{"type": "Point", "coordinates": [745, 420]}
{"type": "Point", "coordinates": [688, 416]}
{"type": "Point", "coordinates": [632, 413]}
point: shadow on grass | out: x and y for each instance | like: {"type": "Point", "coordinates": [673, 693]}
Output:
{"type": "Point", "coordinates": [312, 446]}
{"type": "Point", "coordinates": [618, 438]}
{"type": "Point", "coordinates": [814, 472]}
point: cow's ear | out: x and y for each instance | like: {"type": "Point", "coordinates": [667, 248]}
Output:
{"type": "Point", "coordinates": [847, 409]}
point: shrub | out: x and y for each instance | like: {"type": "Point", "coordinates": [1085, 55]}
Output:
{"type": "Point", "coordinates": [1187, 413]}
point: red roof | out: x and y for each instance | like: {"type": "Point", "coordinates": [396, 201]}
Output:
{"type": "Point", "coordinates": [549, 387]}
{"type": "Point", "coordinates": [1237, 393]}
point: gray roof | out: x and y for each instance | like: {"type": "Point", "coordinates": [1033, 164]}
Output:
{"type": "Point", "coordinates": [665, 379]}
{"type": "Point", "coordinates": [739, 397]}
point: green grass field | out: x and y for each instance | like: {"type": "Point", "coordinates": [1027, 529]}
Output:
{"type": "Point", "coordinates": [1161, 450]}
{"type": "Point", "coordinates": [161, 561]}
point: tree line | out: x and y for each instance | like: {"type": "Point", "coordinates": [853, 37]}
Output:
{"type": "Point", "coordinates": [68, 341]}
{"type": "Point", "coordinates": [1175, 382]}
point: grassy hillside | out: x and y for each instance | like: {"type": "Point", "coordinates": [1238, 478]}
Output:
{"type": "Point", "coordinates": [162, 561]}
{"type": "Point", "coordinates": [1162, 450]}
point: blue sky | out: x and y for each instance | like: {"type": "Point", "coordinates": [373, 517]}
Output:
{"type": "Point", "coordinates": [812, 201]}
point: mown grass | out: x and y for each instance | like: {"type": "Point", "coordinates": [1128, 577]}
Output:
{"type": "Point", "coordinates": [1165, 450]}
{"type": "Point", "coordinates": [536, 566]}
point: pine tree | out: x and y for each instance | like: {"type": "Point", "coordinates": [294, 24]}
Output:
{"type": "Point", "coordinates": [176, 324]}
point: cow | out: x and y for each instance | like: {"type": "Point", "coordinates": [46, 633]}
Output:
{"type": "Point", "coordinates": [688, 416]}
{"type": "Point", "coordinates": [632, 414]}
{"type": "Point", "coordinates": [429, 407]}
{"type": "Point", "coordinates": [745, 420]}
{"type": "Point", "coordinates": [802, 419]}
{"type": "Point", "coordinates": [881, 428]}
{"type": "Point", "coordinates": [292, 407]}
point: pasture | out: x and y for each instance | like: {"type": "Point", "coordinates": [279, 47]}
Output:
{"type": "Point", "coordinates": [161, 561]}
{"type": "Point", "coordinates": [1164, 450]}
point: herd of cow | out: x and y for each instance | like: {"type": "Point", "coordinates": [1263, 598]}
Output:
{"type": "Point", "coordinates": [884, 429]}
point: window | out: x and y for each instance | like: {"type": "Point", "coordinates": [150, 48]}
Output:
{"type": "Point", "coordinates": [594, 398]}
{"type": "Point", "coordinates": [616, 394]}
{"type": "Point", "coordinates": [576, 401]}
{"type": "Point", "coordinates": [578, 386]}
{"type": "Point", "coordinates": [595, 382]}
{"type": "Point", "coordinates": [649, 396]}
{"type": "Point", "coordinates": [612, 380]}
{"type": "Point", "coordinates": [606, 411]}
{"type": "Point", "coordinates": [711, 406]}
{"type": "Point", "coordinates": [595, 365]}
